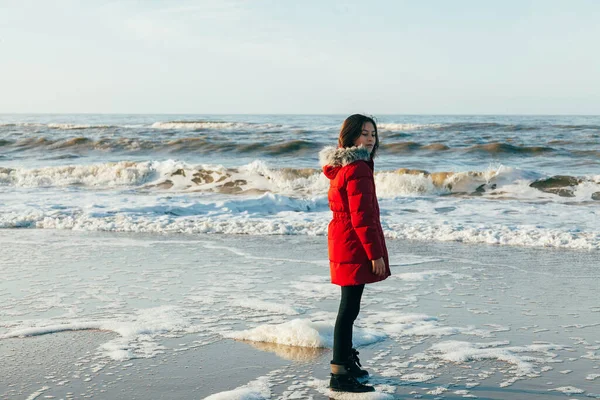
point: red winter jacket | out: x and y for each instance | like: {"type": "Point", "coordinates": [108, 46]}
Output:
{"type": "Point", "coordinates": [354, 236]}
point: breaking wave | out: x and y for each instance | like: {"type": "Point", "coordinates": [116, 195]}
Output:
{"type": "Point", "coordinates": [170, 125]}
{"type": "Point", "coordinates": [212, 125]}
{"type": "Point", "coordinates": [203, 124]}
{"type": "Point", "coordinates": [257, 177]}
{"type": "Point", "coordinates": [268, 216]}
{"type": "Point", "coordinates": [393, 127]}
{"type": "Point", "coordinates": [484, 126]}
{"type": "Point", "coordinates": [205, 145]}
{"type": "Point", "coordinates": [180, 145]}
{"type": "Point", "coordinates": [63, 126]}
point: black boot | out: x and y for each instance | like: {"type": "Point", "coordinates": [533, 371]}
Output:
{"type": "Point", "coordinates": [353, 365]}
{"type": "Point", "coordinates": [348, 383]}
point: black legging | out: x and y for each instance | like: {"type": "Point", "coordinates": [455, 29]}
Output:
{"type": "Point", "coordinates": [342, 334]}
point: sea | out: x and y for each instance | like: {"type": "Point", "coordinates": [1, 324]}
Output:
{"type": "Point", "coordinates": [185, 256]}
{"type": "Point", "coordinates": [505, 180]}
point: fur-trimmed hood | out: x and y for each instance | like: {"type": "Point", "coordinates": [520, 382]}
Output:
{"type": "Point", "coordinates": [342, 156]}
{"type": "Point", "coordinates": [332, 159]}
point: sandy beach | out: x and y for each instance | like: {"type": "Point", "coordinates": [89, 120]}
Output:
{"type": "Point", "coordinates": [105, 315]}
{"type": "Point", "coordinates": [169, 169]}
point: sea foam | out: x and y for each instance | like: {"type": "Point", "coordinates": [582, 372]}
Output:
{"type": "Point", "coordinates": [522, 363]}
{"type": "Point", "coordinates": [258, 389]}
{"type": "Point", "coordinates": [213, 125]}
{"type": "Point", "coordinates": [137, 333]}
{"type": "Point", "coordinates": [497, 182]}
{"type": "Point", "coordinates": [279, 215]}
{"type": "Point", "coordinates": [304, 333]}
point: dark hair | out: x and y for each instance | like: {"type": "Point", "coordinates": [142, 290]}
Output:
{"type": "Point", "coordinates": [352, 129]}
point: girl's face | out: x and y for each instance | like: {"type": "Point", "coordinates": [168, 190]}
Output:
{"type": "Point", "coordinates": [368, 136]}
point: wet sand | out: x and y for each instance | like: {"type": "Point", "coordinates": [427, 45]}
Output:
{"type": "Point", "coordinates": [57, 365]}
{"type": "Point", "coordinates": [65, 365]}
{"type": "Point", "coordinates": [522, 296]}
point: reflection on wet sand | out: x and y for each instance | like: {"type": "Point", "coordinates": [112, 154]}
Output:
{"type": "Point", "coordinates": [294, 353]}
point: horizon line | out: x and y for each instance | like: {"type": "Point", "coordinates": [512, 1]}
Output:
{"type": "Point", "coordinates": [304, 114]}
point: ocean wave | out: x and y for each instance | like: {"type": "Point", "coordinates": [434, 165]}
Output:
{"type": "Point", "coordinates": [60, 126]}
{"type": "Point", "coordinates": [257, 177]}
{"type": "Point", "coordinates": [595, 154]}
{"type": "Point", "coordinates": [82, 143]}
{"type": "Point", "coordinates": [487, 126]}
{"type": "Point", "coordinates": [236, 223]}
{"type": "Point", "coordinates": [69, 127]}
{"type": "Point", "coordinates": [459, 127]}
{"type": "Point", "coordinates": [578, 127]}
{"type": "Point", "coordinates": [106, 175]}
{"type": "Point", "coordinates": [495, 148]}
{"type": "Point", "coordinates": [388, 127]}
{"type": "Point", "coordinates": [395, 127]}
{"type": "Point", "coordinates": [408, 147]}
{"type": "Point", "coordinates": [500, 127]}
{"type": "Point", "coordinates": [293, 147]}
{"type": "Point", "coordinates": [253, 178]}
{"type": "Point", "coordinates": [497, 235]}
{"type": "Point", "coordinates": [25, 124]}
{"type": "Point", "coordinates": [166, 125]}
{"type": "Point", "coordinates": [489, 148]}
{"type": "Point", "coordinates": [212, 125]}
{"type": "Point", "coordinates": [62, 157]}
{"type": "Point", "coordinates": [196, 145]}
{"type": "Point", "coordinates": [296, 147]}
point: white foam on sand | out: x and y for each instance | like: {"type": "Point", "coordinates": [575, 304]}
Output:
{"type": "Point", "coordinates": [37, 393]}
{"type": "Point", "coordinates": [316, 290]}
{"type": "Point", "coordinates": [106, 287]}
{"type": "Point", "coordinates": [438, 391]}
{"type": "Point", "coordinates": [568, 390]}
{"type": "Point", "coordinates": [395, 324]}
{"type": "Point", "coordinates": [138, 333]}
{"type": "Point", "coordinates": [417, 377]}
{"type": "Point", "coordinates": [519, 357]}
{"type": "Point", "coordinates": [592, 355]}
{"type": "Point", "coordinates": [302, 332]}
{"type": "Point", "coordinates": [46, 329]}
{"type": "Point", "coordinates": [258, 389]}
{"type": "Point", "coordinates": [260, 305]}
{"type": "Point", "coordinates": [322, 386]}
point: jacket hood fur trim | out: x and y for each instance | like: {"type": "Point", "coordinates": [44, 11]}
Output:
{"type": "Point", "coordinates": [342, 156]}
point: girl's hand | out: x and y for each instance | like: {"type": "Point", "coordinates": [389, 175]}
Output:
{"type": "Point", "coordinates": [379, 267]}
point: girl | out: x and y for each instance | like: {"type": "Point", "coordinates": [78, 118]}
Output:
{"type": "Point", "coordinates": [357, 251]}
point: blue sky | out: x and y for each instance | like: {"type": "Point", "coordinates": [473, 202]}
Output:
{"type": "Point", "coordinates": [284, 56]}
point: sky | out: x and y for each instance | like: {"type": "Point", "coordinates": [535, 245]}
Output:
{"type": "Point", "coordinates": [300, 56]}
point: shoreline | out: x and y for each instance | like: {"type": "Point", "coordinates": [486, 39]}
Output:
{"type": "Point", "coordinates": [161, 300]}
{"type": "Point", "coordinates": [185, 374]}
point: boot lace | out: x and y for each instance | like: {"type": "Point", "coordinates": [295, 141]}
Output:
{"type": "Point", "coordinates": [354, 357]}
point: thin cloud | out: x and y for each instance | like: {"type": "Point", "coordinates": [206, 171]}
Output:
{"type": "Point", "coordinates": [180, 24]}
{"type": "Point", "coordinates": [213, 10]}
